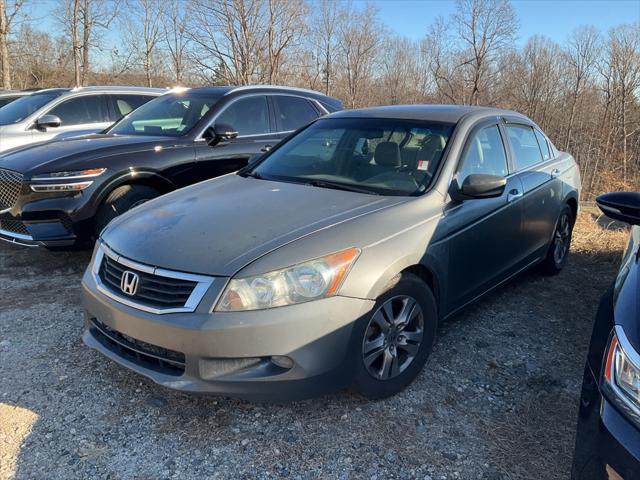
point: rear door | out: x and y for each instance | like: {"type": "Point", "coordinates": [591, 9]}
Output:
{"type": "Point", "coordinates": [292, 112]}
{"type": "Point", "coordinates": [251, 117]}
{"type": "Point", "coordinates": [483, 234]}
{"type": "Point", "coordinates": [542, 188]}
{"type": "Point", "coordinates": [78, 115]}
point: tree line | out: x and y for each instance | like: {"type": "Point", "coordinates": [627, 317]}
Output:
{"type": "Point", "coordinates": [583, 92]}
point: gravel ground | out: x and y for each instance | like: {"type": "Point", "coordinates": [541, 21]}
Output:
{"type": "Point", "coordinates": [498, 398]}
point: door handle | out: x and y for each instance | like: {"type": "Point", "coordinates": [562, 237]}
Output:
{"type": "Point", "coordinates": [555, 173]}
{"type": "Point", "coordinates": [266, 148]}
{"type": "Point", "coordinates": [513, 195]}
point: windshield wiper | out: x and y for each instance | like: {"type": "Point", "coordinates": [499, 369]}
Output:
{"type": "Point", "coordinates": [340, 186]}
{"type": "Point", "coordinates": [251, 174]}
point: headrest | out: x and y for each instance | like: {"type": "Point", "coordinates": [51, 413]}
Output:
{"type": "Point", "coordinates": [388, 154]}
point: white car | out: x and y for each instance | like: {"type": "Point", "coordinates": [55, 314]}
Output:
{"type": "Point", "coordinates": [62, 112]}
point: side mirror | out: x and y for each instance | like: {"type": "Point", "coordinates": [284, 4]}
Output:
{"type": "Point", "coordinates": [622, 206]}
{"type": "Point", "coordinates": [48, 121]}
{"type": "Point", "coordinates": [219, 132]}
{"type": "Point", "coordinates": [478, 185]}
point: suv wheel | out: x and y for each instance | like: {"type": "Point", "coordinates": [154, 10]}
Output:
{"type": "Point", "coordinates": [394, 342]}
{"type": "Point", "coordinates": [120, 200]}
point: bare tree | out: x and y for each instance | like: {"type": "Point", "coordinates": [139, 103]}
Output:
{"type": "Point", "coordinates": [8, 13]}
{"type": "Point", "coordinates": [143, 25]}
{"type": "Point", "coordinates": [581, 55]}
{"type": "Point", "coordinates": [485, 27]}
{"type": "Point", "coordinates": [359, 36]}
{"type": "Point", "coordinates": [324, 38]}
{"type": "Point", "coordinates": [176, 37]}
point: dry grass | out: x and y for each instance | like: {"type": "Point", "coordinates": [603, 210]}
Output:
{"type": "Point", "coordinates": [596, 234]}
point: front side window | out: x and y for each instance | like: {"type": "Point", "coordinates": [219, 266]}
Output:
{"type": "Point", "coordinates": [293, 112]}
{"type": "Point", "coordinates": [247, 116]}
{"type": "Point", "coordinates": [21, 108]}
{"type": "Point", "coordinates": [170, 115]}
{"type": "Point", "coordinates": [525, 146]}
{"type": "Point", "coordinates": [484, 154]}
{"type": "Point", "coordinates": [81, 110]}
{"type": "Point", "coordinates": [379, 156]}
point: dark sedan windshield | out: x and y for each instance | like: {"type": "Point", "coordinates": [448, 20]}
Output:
{"type": "Point", "coordinates": [21, 108]}
{"type": "Point", "coordinates": [380, 156]}
{"type": "Point", "coordinates": [171, 115]}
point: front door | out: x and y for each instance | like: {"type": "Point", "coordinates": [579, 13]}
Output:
{"type": "Point", "coordinates": [250, 117]}
{"type": "Point", "coordinates": [78, 116]}
{"type": "Point", "coordinates": [483, 235]}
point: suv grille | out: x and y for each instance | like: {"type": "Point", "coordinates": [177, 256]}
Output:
{"type": "Point", "coordinates": [10, 186]}
{"type": "Point", "coordinates": [149, 356]}
{"type": "Point", "coordinates": [13, 226]}
{"type": "Point", "coordinates": [153, 290]}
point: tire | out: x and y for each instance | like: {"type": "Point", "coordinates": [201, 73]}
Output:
{"type": "Point", "coordinates": [558, 251]}
{"type": "Point", "coordinates": [120, 200]}
{"type": "Point", "coordinates": [379, 377]}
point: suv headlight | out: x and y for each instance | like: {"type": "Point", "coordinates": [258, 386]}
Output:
{"type": "Point", "coordinates": [312, 280]}
{"type": "Point", "coordinates": [622, 370]}
{"type": "Point", "coordinates": [65, 181]}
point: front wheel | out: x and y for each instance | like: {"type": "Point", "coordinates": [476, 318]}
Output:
{"type": "Point", "coordinates": [120, 200]}
{"type": "Point", "coordinates": [394, 342]}
{"type": "Point", "coordinates": [558, 251]}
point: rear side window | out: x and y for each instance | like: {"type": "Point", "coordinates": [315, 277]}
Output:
{"type": "Point", "coordinates": [82, 110]}
{"type": "Point", "coordinates": [293, 112]}
{"type": "Point", "coordinates": [247, 116]}
{"type": "Point", "coordinates": [485, 154]}
{"type": "Point", "coordinates": [525, 146]}
{"type": "Point", "coordinates": [544, 145]}
{"type": "Point", "coordinates": [125, 104]}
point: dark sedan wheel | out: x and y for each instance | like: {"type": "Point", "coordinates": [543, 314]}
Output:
{"type": "Point", "coordinates": [122, 199]}
{"type": "Point", "coordinates": [396, 339]}
{"type": "Point", "coordinates": [559, 249]}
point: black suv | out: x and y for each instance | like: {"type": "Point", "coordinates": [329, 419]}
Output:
{"type": "Point", "coordinates": [64, 192]}
{"type": "Point", "coordinates": [608, 433]}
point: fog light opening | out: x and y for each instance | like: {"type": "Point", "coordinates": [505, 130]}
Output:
{"type": "Point", "coordinates": [282, 362]}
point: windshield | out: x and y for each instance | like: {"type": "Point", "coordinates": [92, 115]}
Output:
{"type": "Point", "coordinates": [170, 115]}
{"type": "Point", "coordinates": [380, 156]}
{"type": "Point", "coordinates": [21, 108]}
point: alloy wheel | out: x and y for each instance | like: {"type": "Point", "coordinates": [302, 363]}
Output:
{"type": "Point", "coordinates": [562, 238]}
{"type": "Point", "coordinates": [393, 337]}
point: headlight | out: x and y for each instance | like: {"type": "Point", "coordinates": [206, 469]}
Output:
{"type": "Point", "coordinates": [622, 370]}
{"type": "Point", "coordinates": [312, 280]}
{"type": "Point", "coordinates": [64, 178]}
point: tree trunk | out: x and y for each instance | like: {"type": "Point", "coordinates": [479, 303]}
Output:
{"type": "Point", "coordinates": [5, 67]}
{"type": "Point", "coordinates": [86, 37]}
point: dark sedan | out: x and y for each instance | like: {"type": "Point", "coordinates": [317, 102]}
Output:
{"type": "Point", "coordinates": [608, 436]}
{"type": "Point", "coordinates": [65, 192]}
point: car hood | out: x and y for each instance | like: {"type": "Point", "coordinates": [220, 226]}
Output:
{"type": "Point", "coordinates": [219, 226]}
{"type": "Point", "coordinates": [75, 152]}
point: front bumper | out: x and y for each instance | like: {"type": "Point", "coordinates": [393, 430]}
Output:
{"type": "Point", "coordinates": [230, 354]}
{"type": "Point", "coordinates": [607, 442]}
{"type": "Point", "coordinates": [44, 219]}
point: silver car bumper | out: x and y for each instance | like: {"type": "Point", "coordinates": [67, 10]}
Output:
{"type": "Point", "coordinates": [230, 354]}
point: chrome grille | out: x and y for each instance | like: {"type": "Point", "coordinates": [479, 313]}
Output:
{"type": "Point", "coordinates": [10, 186]}
{"type": "Point", "coordinates": [157, 290]}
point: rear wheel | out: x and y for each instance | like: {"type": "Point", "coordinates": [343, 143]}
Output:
{"type": "Point", "coordinates": [120, 200]}
{"type": "Point", "coordinates": [394, 342]}
{"type": "Point", "coordinates": [558, 252]}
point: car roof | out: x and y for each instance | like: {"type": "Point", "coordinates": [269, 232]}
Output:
{"type": "Point", "coordinates": [105, 89]}
{"type": "Point", "coordinates": [427, 112]}
{"type": "Point", "coordinates": [231, 89]}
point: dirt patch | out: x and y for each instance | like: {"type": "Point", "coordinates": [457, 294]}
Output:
{"type": "Point", "coordinates": [498, 398]}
